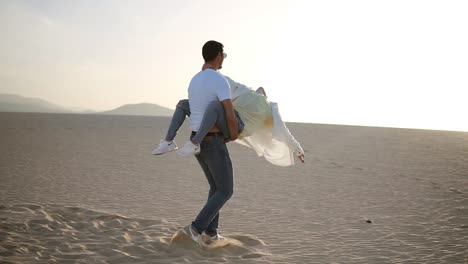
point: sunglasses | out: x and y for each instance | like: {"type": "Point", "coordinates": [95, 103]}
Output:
{"type": "Point", "coordinates": [224, 54]}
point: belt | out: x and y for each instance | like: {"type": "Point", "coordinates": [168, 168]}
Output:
{"type": "Point", "coordinates": [210, 135]}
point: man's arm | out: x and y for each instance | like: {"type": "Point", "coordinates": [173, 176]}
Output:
{"type": "Point", "coordinates": [231, 119]}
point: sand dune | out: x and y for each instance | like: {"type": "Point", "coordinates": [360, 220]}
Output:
{"type": "Point", "coordinates": [32, 233]}
{"type": "Point", "coordinates": [85, 189]}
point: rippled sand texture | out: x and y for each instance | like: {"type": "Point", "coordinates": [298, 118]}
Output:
{"type": "Point", "coordinates": [85, 189]}
{"type": "Point", "coordinates": [33, 234]}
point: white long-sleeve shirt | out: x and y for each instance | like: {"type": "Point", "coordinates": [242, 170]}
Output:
{"type": "Point", "coordinates": [237, 89]}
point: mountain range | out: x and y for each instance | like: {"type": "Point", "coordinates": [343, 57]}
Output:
{"type": "Point", "coordinates": [17, 103]}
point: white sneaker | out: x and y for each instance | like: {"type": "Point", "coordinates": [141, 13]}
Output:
{"type": "Point", "coordinates": [188, 230]}
{"type": "Point", "coordinates": [189, 149]}
{"type": "Point", "coordinates": [164, 147]}
{"type": "Point", "coordinates": [216, 238]}
{"type": "Point", "coordinates": [209, 240]}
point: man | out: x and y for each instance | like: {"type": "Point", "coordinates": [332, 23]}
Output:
{"type": "Point", "coordinates": [210, 87]}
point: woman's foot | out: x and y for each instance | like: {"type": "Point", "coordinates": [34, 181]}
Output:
{"type": "Point", "coordinates": [164, 147]}
{"type": "Point", "coordinates": [189, 149]}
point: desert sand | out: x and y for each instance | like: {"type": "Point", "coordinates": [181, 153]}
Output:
{"type": "Point", "coordinates": [86, 189]}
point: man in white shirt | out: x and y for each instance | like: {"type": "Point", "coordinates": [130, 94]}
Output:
{"type": "Point", "coordinates": [183, 110]}
{"type": "Point", "coordinates": [206, 88]}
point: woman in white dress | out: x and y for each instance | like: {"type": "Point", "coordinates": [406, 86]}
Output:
{"type": "Point", "coordinates": [264, 130]}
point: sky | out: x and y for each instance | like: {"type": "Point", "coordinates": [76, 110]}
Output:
{"type": "Point", "coordinates": [373, 63]}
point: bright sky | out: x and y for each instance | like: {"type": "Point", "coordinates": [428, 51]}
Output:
{"type": "Point", "coordinates": [376, 63]}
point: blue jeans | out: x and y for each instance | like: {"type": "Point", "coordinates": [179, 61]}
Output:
{"type": "Point", "coordinates": [213, 158]}
{"type": "Point", "coordinates": [178, 118]}
{"type": "Point", "coordinates": [214, 116]}
{"type": "Point", "coordinates": [216, 164]}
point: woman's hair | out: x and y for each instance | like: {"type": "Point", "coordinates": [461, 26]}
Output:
{"type": "Point", "coordinates": [211, 49]}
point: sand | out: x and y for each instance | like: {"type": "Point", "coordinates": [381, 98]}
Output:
{"type": "Point", "coordinates": [85, 189]}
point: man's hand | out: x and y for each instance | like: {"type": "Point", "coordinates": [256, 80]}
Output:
{"type": "Point", "coordinates": [233, 136]}
{"type": "Point", "coordinates": [260, 90]}
{"type": "Point", "coordinates": [227, 140]}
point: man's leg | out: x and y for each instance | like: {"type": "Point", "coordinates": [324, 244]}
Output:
{"type": "Point", "coordinates": [215, 115]}
{"type": "Point", "coordinates": [213, 226]}
{"type": "Point", "coordinates": [215, 156]}
{"type": "Point", "coordinates": [178, 118]}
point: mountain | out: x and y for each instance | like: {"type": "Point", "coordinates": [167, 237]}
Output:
{"type": "Point", "coordinates": [144, 109]}
{"type": "Point", "coordinates": [16, 103]}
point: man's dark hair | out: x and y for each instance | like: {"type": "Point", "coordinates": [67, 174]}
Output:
{"type": "Point", "coordinates": [211, 49]}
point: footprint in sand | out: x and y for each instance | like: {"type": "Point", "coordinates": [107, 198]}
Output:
{"type": "Point", "coordinates": [29, 233]}
{"type": "Point", "coordinates": [181, 237]}
{"type": "Point", "coordinates": [241, 245]}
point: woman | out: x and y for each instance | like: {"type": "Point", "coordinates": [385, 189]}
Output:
{"type": "Point", "coordinates": [264, 130]}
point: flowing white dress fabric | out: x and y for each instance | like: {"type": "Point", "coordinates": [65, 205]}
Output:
{"type": "Point", "coordinates": [254, 111]}
{"type": "Point", "coordinates": [271, 138]}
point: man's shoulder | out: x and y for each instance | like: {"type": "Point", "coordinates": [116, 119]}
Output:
{"type": "Point", "coordinates": [208, 79]}
{"type": "Point", "coordinates": [216, 77]}
{"type": "Point", "coordinates": [208, 75]}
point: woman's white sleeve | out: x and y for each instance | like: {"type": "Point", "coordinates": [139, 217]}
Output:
{"type": "Point", "coordinates": [294, 144]}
